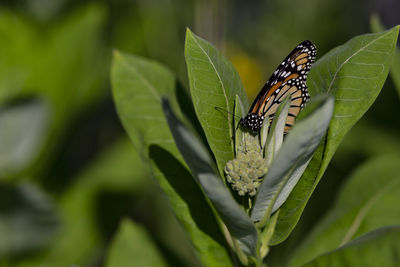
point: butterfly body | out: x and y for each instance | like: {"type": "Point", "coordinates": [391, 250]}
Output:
{"type": "Point", "coordinates": [252, 121]}
{"type": "Point", "coordinates": [289, 79]}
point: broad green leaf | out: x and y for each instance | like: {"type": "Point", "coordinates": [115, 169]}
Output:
{"type": "Point", "coordinates": [138, 85]}
{"type": "Point", "coordinates": [366, 202]}
{"type": "Point", "coordinates": [133, 246]}
{"type": "Point", "coordinates": [354, 73]}
{"type": "Point", "coordinates": [201, 165]}
{"type": "Point", "coordinates": [214, 82]}
{"type": "Point", "coordinates": [377, 248]}
{"type": "Point", "coordinates": [288, 164]}
{"type": "Point", "coordinates": [22, 130]}
{"type": "Point", "coordinates": [376, 26]}
{"type": "Point", "coordinates": [28, 220]}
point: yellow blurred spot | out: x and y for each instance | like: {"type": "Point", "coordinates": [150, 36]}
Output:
{"type": "Point", "coordinates": [249, 70]}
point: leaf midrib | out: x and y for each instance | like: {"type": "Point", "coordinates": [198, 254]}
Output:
{"type": "Point", "coordinates": [350, 57]}
{"type": "Point", "coordinates": [323, 161]}
{"type": "Point", "coordinates": [220, 81]}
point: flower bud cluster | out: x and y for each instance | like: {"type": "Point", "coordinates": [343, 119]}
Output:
{"type": "Point", "coordinates": [245, 172]}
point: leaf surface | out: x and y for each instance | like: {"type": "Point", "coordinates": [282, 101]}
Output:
{"type": "Point", "coordinates": [214, 82]}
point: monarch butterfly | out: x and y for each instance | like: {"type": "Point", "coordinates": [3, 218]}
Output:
{"type": "Point", "coordinates": [288, 79]}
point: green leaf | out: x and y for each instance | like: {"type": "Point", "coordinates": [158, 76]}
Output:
{"type": "Point", "coordinates": [28, 220]}
{"type": "Point", "coordinates": [354, 73]}
{"type": "Point", "coordinates": [275, 138]}
{"type": "Point", "coordinates": [201, 165]}
{"type": "Point", "coordinates": [133, 246]}
{"type": "Point", "coordinates": [267, 233]}
{"type": "Point", "coordinates": [264, 135]}
{"type": "Point", "coordinates": [22, 130]}
{"type": "Point", "coordinates": [289, 163]}
{"type": "Point", "coordinates": [214, 82]}
{"type": "Point", "coordinates": [377, 248]}
{"type": "Point", "coordinates": [376, 26]}
{"type": "Point", "coordinates": [137, 86]}
{"type": "Point", "coordinates": [239, 113]}
{"type": "Point", "coordinates": [366, 202]}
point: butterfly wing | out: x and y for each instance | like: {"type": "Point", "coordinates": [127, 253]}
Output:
{"type": "Point", "coordinates": [288, 79]}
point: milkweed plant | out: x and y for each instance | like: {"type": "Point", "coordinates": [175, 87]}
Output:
{"type": "Point", "coordinates": [236, 192]}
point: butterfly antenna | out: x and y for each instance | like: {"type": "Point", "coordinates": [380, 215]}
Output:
{"type": "Point", "coordinates": [221, 109]}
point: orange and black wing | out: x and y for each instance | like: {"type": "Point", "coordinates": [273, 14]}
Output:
{"type": "Point", "coordinates": [288, 79]}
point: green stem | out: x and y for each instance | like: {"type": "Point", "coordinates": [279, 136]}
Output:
{"type": "Point", "coordinates": [242, 257]}
{"type": "Point", "coordinates": [267, 234]}
{"type": "Point", "coordinates": [250, 203]}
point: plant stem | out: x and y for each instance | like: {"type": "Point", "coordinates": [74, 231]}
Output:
{"type": "Point", "coordinates": [242, 257]}
{"type": "Point", "coordinates": [250, 203]}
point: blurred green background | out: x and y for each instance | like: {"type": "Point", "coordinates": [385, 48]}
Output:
{"type": "Point", "coordinates": [69, 174]}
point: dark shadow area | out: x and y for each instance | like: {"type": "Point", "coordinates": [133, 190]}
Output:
{"type": "Point", "coordinates": [186, 105]}
{"type": "Point", "coordinates": [20, 101]}
{"type": "Point", "coordinates": [112, 207]}
{"type": "Point", "coordinates": [180, 179]}
{"type": "Point", "coordinates": [167, 254]}
{"type": "Point", "coordinates": [90, 133]}
{"type": "Point", "coordinates": [386, 102]}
